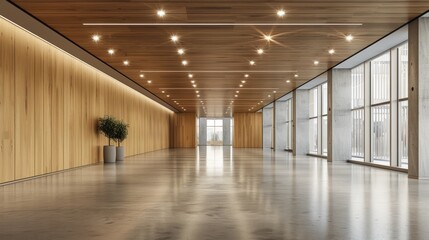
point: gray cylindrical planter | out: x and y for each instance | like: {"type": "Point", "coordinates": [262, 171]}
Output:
{"type": "Point", "coordinates": [109, 154]}
{"type": "Point", "coordinates": [120, 153]}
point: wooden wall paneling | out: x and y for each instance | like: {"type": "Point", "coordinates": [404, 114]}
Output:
{"type": "Point", "coordinates": [84, 123]}
{"type": "Point", "coordinates": [49, 103]}
{"type": "Point", "coordinates": [101, 110]}
{"type": "Point", "coordinates": [183, 127]}
{"type": "Point", "coordinates": [7, 107]}
{"type": "Point", "coordinates": [92, 116]}
{"type": "Point", "coordinates": [68, 88]}
{"type": "Point", "coordinates": [247, 130]}
{"type": "Point", "coordinates": [38, 108]}
{"type": "Point", "coordinates": [47, 107]}
{"type": "Point", "coordinates": [57, 117]}
{"type": "Point", "coordinates": [24, 105]}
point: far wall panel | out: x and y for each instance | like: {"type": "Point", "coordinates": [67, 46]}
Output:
{"type": "Point", "coordinates": [183, 130]}
{"type": "Point", "coordinates": [247, 130]}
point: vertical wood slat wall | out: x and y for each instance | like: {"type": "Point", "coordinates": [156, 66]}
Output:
{"type": "Point", "coordinates": [183, 130]}
{"type": "Point", "coordinates": [49, 104]}
{"type": "Point", "coordinates": [247, 130]}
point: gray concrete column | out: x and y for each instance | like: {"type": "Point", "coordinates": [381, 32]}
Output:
{"type": "Point", "coordinates": [267, 119]}
{"type": "Point", "coordinates": [203, 132]}
{"type": "Point", "coordinates": [418, 97]}
{"type": "Point", "coordinates": [227, 132]}
{"type": "Point", "coordinates": [300, 122]}
{"type": "Point", "coordinates": [280, 119]}
{"type": "Point", "coordinates": [339, 115]}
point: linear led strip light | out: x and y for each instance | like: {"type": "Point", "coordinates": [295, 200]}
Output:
{"type": "Point", "coordinates": [222, 24]}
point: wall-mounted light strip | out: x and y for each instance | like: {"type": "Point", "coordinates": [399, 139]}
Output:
{"type": "Point", "coordinates": [216, 71]}
{"type": "Point", "coordinates": [222, 24]}
{"type": "Point", "coordinates": [219, 88]}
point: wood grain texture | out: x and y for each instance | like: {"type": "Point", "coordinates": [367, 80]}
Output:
{"type": "Point", "coordinates": [183, 127]}
{"type": "Point", "coordinates": [247, 130]}
{"type": "Point", "coordinates": [224, 48]}
{"type": "Point", "coordinates": [7, 103]}
{"type": "Point", "coordinates": [49, 106]}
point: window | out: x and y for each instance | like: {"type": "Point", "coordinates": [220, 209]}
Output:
{"type": "Point", "coordinates": [380, 109]}
{"type": "Point", "coordinates": [318, 120]}
{"type": "Point", "coordinates": [358, 112]}
{"type": "Point", "coordinates": [387, 106]}
{"type": "Point", "coordinates": [214, 132]}
{"type": "Point", "coordinates": [325, 119]}
{"type": "Point", "coordinates": [403, 106]}
{"type": "Point", "coordinates": [313, 121]}
{"type": "Point", "coordinates": [289, 124]}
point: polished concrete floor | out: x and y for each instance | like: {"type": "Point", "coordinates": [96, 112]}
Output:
{"type": "Point", "coordinates": [217, 193]}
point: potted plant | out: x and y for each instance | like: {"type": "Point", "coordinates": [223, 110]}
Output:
{"type": "Point", "coordinates": [121, 134]}
{"type": "Point", "coordinates": [107, 126]}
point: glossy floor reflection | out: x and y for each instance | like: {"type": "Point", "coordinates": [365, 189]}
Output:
{"type": "Point", "coordinates": [217, 193]}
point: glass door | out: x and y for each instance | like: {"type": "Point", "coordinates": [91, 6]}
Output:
{"type": "Point", "coordinates": [215, 132]}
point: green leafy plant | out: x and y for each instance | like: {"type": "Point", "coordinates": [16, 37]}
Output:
{"type": "Point", "coordinates": [108, 126]}
{"type": "Point", "coordinates": [121, 132]}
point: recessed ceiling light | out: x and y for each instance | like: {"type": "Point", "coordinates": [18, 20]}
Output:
{"type": "Point", "coordinates": [269, 95]}
{"type": "Point", "coordinates": [198, 95]}
{"type": "Point", "coordinates": [141, 75]}
{"type": "Point", "coordinates": [349, 38]}
{"type": "Point", "coordinates": [168, 95]}
{"type": "Point", "coordinates": [268, 37]}
{"type": "Point", "coordinates": [160, 13]}
{"type": "Point", "coordinates": [163, 91]}
{"type": "Point", "coordinates": [252, 62]}
{"type": "Point", "coordinates": [192, 81]}
{"type": "Point", "coordinates": [237, 91]}
{"type": "Point", "coordinates": [180, 51]}
{"type": "Point", "coordinates": [96, 37]}
{"type": "Point", "coordinates": [195, 85]}
{"type": "Point", "coordinates": [316, 62]}
{"type": "Point", "coordinates": [331, 51]}
{"type": "Point", "coordinates": [241, 85]}
{"type": "Point", "coordinates": [244, 81]}
{"type": "Point", "coordinates": [197, 91]}
{"type": "Point", "coordinates": [111, 51]}
{"type": "Point", "coordinates": [281, 13]}
{"type": "Point", "coordinates": [190, 75]}
{"type": "Point", "coordinates": [260, 51]}
{"type": "Point", "coordinates": [274, 91]}
{"type": "Point", "coordinates": [174, 38]}
{"type": "Point", "coordinates": [296, 75]}
{"type": "Point", "coordinates": [126, 62]}
{"type": "Point", "coordinates": [288, 81]}
{"type": "Point", "coordinates": [149, 81]}
{"type": "Point", "coordinates": [246, 75]}
{"type": "Point", "coordinates": [184, 62]}
{"type": "Point", "coordinates": [235, 95]}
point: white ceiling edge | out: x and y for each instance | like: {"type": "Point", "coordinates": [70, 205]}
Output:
{"type": "Point", "coordinates": [285, 97]}
{"type": "Point", "coordinates": [386, 43]}
{"type": "Point", "coordinates": [314, 82]}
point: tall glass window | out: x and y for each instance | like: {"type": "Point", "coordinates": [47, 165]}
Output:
{"type": "Point", "coordinates": [358, 112]}
{"type": "Point", "coordinates": [325, 119]}
{"type": "Point", "coordinates": [214, 131]}
{"type": "Point", "coordinates": [380, 109]}
{"type": "Point", "coordinates": [318, 120]}
{"type": "Point", "coordinates": [313, 121]}
{"type": "Point", "coordinates": [403, 106]}
{"type": "Point", "coordinates": [385, 98]}
{"type": "Point", "coordinates": [289, 124]}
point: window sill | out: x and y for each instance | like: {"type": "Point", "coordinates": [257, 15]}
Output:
{"type": "Point", "coordinates": [379, 166]}
{"type": "Point", "coordinates": [317, 155]}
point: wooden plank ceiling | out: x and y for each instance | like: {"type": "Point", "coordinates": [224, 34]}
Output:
{"type": "Point", "coordinates": [220, 38]}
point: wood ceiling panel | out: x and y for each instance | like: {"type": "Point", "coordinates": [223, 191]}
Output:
{"type": "Point", "coordinates": [219, 56]}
